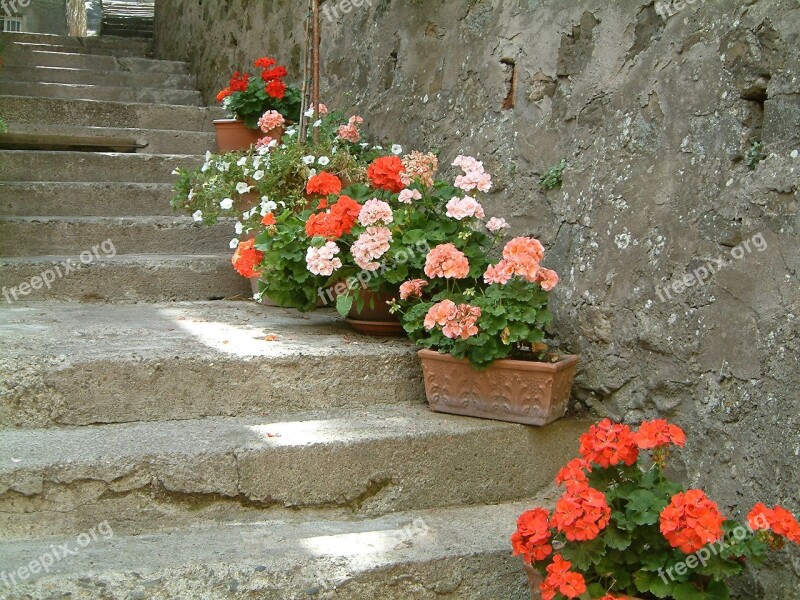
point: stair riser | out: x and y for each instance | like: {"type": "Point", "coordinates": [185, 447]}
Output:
{"type": "Point", "coordinates": [87, 166]}
{"type": "Point", "coordinates": [133, 281]}
{"type": "Point", "coordinates": [31, 238]}
{"type": "Point", "coordinates": [103, 94]}
{"type": "Point", "coordinates": [136, 52]}
{"type": "Point", "coordinates": [85, 113]}
{"type": "Point", "coordinates": [90, 45]}
{"type": "Point", "coordinates": [101, 78]}
{"type": "Point", "coordinates": [16, 57]}
{"type": "Point", "coordinates": [462, 468]}
{"type": "Point", "coordinates": [99, 199]}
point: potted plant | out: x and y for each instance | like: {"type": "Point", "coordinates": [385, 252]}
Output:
{"type": "Point", "coordinates": [250, 99]}
{"type": "Point", "coordinates": [481, 322]}
{"type": "Point", "coordinates": [622, 529]}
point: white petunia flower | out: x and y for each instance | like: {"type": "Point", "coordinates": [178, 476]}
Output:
{"type": "Point", "coordinates": [242, 161]}
{"type": "Point", "coordinates": [226, 204]}
{"type": "Point", "coordinates": [309, 113]}
{"type": "Point", "coordinates": [239, 228]}
{"type": "Point", "coordinates": [308, 160]}
{"type": "Point", "coordinates": [397, 149]}
{"type": "Point", "coordinates": [174, 171]}
{"type": "Point", "coordinates": [364, 145]}
{"type": "Point", "coordinates": [197, 215]}
{"type": "Point", "coordinates": [311, 173]}
{"type": "Point", "coordinates": [234, 244]}
{"type": "Point", "coordinates": [377, 147]}
{"type": "Point", "coordinates": [317, 123]}
{"type": "Point", "coordinates": [258, 175]}
{"type": "Point", "coordinates": [191, 194]}
{"type": "Point", "coordinates": [242, 187]}
{"type": "Point", "coordinates": [257, 162]}
{"type": "Point", "coordinates": [268, 207]}
{"type": "Point", "coordinates": [323, 160]}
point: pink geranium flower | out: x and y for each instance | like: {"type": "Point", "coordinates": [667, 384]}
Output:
{"type": "Point", "coordinates": [446, 261]}
{"type": "Point", "coordinates": [412, 288]}
{"type": "Point", "coordinates": [371, 245]}
{"type": "Point", "coordinates": [323, 261]}
{"type": "Point", "coordinates": [406, 196]}
{"type": "Point", "coordinates": [375, 211]}
{"type": "Point", "coordinates": [461, 208]}
{"type": "Point", "coordinates": [270, 120]}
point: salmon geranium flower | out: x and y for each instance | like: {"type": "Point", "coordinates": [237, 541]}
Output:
{"type": "Point", "coordinates": [608, 444]}
{"type": "Point", "coordinates": [412, 288]}
{"type": "Point", "coordinates": [385, 173]}
{"type": "Point", "coordinates": [532, 538]}
{"type": "Point", "coordinates": [658, 433]}
{"type": "Point", "coordinates": [581, 513]}
{"type": "Point", "coordinates": [247, 258]}
{"type": "Point", "coordinates": [447, 261]}
{"type": "Point", "coordinates": [324, 184]}
{"type": "Point", "coordinates": [690, 521]}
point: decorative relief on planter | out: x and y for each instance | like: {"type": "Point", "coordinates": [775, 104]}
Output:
{"type": "Point", "coordinates": [520, 391]}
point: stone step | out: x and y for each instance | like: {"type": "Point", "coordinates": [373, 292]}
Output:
{"type": "Point", "coordinates": [33, 236]}
{"type": "Point", "coordinates": [19, 165]}
{"type": "Point", "coordinates": [148, 141]}
{"type": "Point", "coordinates": [23, 57]}
{"type": "Point", "coordinates": [101, 93]}
{"type": "Point", "coordinates": [19, 110]}
{"type": "Point", "coordinates": [460, 553]}
{"type": "Point", "coordinates": [124, 278]}
{"type": "Point", "coordinates": [78, 364]}
{"type": "Point", "coordinates": [88, 45]}
{"type": "Point", "coordinates": [69, 48]}
{"type": "Point", "coordinates": [373, 461]}
{"type": "Point", "coordinates": [61, 199]}
{"type": "Point", "coordinates": [97, 78]}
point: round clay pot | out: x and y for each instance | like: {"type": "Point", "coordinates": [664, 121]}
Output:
{"type": "Point", "coordinates": [375, 320]}
{"type": "Point", "coordinates": [233, 135]}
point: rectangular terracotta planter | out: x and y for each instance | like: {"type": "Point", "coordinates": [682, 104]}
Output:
{"type": "Point", "coordinates": [519, 391]}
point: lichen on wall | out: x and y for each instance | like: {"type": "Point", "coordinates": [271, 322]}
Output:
{"type": "Point", "coordinates": [677, 247]}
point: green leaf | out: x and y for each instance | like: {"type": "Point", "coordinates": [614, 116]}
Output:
{"type": "Point", "coordinates": [344, 304]}
{"type": "Point", "coordinates": [644, 507]}
{"type": "Point", "coordinates": [659, 586]}
{"type": "Point", "coordinates": [617, 538]}
{"type": "Point", "coordinates": [585, 554]}
{"type": "Point", "coordinates": [686, 591]}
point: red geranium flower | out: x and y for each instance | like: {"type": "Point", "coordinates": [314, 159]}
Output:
{"type": "Point", "coordinates": [269, 219]}
{"type": "Point", "coordinates": [239, 82]}
{"type": "Point", "coordinates": [532, 537]}
{"type": "Point", "coordinates": [324, 184]}
{"type": "Point", "coordinates": [247, 258]}
{"type": "Point", "coordinates": [581, 513]}
{"type": "Point", "coordinates": [223, 94]}
{"type": "Point", "coordinates": [278, 72]}
{"type": "Point", "coordinates": [690, 521]}
{"type": "Point", "coordinates": [561, 579]}
{"type": "Point", "coordinates": [657, 433]}
{"type": "Point", "coordinates": [573, 474]}
{"type": "Point", "coordinates": [276, 89]}
{"type": "Point", "coordinates": [608, 444]}
{"type": "Point", "coordinates": [384, 173]}
{"type": "Point", "coordinates": [335, 222]}
{"type": "Point", "coordinates": [264, 62]}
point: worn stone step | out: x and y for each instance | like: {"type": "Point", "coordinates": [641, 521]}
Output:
{"type": "Point", "coordinates": [47, 198]}
{"type": "Point", "coordinates": [461, 553]}
{"type": "Point", "coordinates": [19, 165]}
{"type": "Point", "coordinates": [90, 45]}
{"type": "Point", "coordinates": [69, 48]}
{"type": "Point", "coordinates": [146, 141]}
{"type": "Point", "coordinates": [101, 93]}
{"type": "Point", "coordinates": [23, 57]}
{"type": "Point", "coordinates": [124, 278]}
{"type": "Point", "coordinates": [77, 364]}
{"type": "Point", "coordinates": [373, 460]}
{"type": "Point", "coordinates": [88, 113]}
{"type": "Point", "coordinates": [33, 236]}
{"type": "Point", "coordinates": [97, 78]}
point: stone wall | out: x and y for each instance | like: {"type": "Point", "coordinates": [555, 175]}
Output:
{"type": "Point", "coordinates": [655, 116]}
{"type": "Point", "coordinates": [41, 16]}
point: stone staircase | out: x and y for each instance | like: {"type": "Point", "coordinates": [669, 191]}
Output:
{"type": "Point", "coordinates": [128, 18]}
{"type": "Point", "coordinates": [161, 437]}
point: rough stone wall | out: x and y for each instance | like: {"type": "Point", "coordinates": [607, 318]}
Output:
{"type": "Point", "coordinates": [655, 117]}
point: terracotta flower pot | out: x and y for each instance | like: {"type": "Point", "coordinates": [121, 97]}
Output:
{"type": "Point", "coordinates": [519, 391]}
{"type": "Point", "coordinates": [265, 301]}
{"type": "Point", "coordinates": [375, 320]}
{"type": "Point", "coordinates": [233, 135]}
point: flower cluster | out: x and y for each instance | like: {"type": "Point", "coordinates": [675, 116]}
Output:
{"type": "Point", "coordinates": [419, 167]}
{"type": "Point", "coordinates": [323, 261]}
{"type": "Point", "coordinates": [336, 221]}
{"type": "Point", "coordinates": [270, 120]}
{"type": "Point", "coordinates": [324, 184]}
{"type": "Point", "coordinates": [246, 258]}
{"type": "Point", "coordinates": [447, 261]}
{"type": "Point", "coordinates": [690, 521]}
{"type": "Point", "coordinates": [474, 176]}
{"type": "Point", "coordinates": [461, 208]}
{"type": "Point", "coordinates": [350, 132]}
{"type": "Point", "coordinates": [561, 580]}
{"type": "Point", "coordinates": [412, 288]}
{"type": "Point", "coordinates": [608, 444]}
{"type": "Point", "coordinates": [456, 320]}
{"type": "Point", "coordinates": [375, 211]}
{"type": "Point", "coordinates": [777, 519]}
{"type": "Point", "coordinates": [532, 538]}
{"type": "Point", "coordinates": [581, 513]}
{"type": "Point", "coordinates": [385, 174]}
{"type": "Point", "coordinates": [372, 244]}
